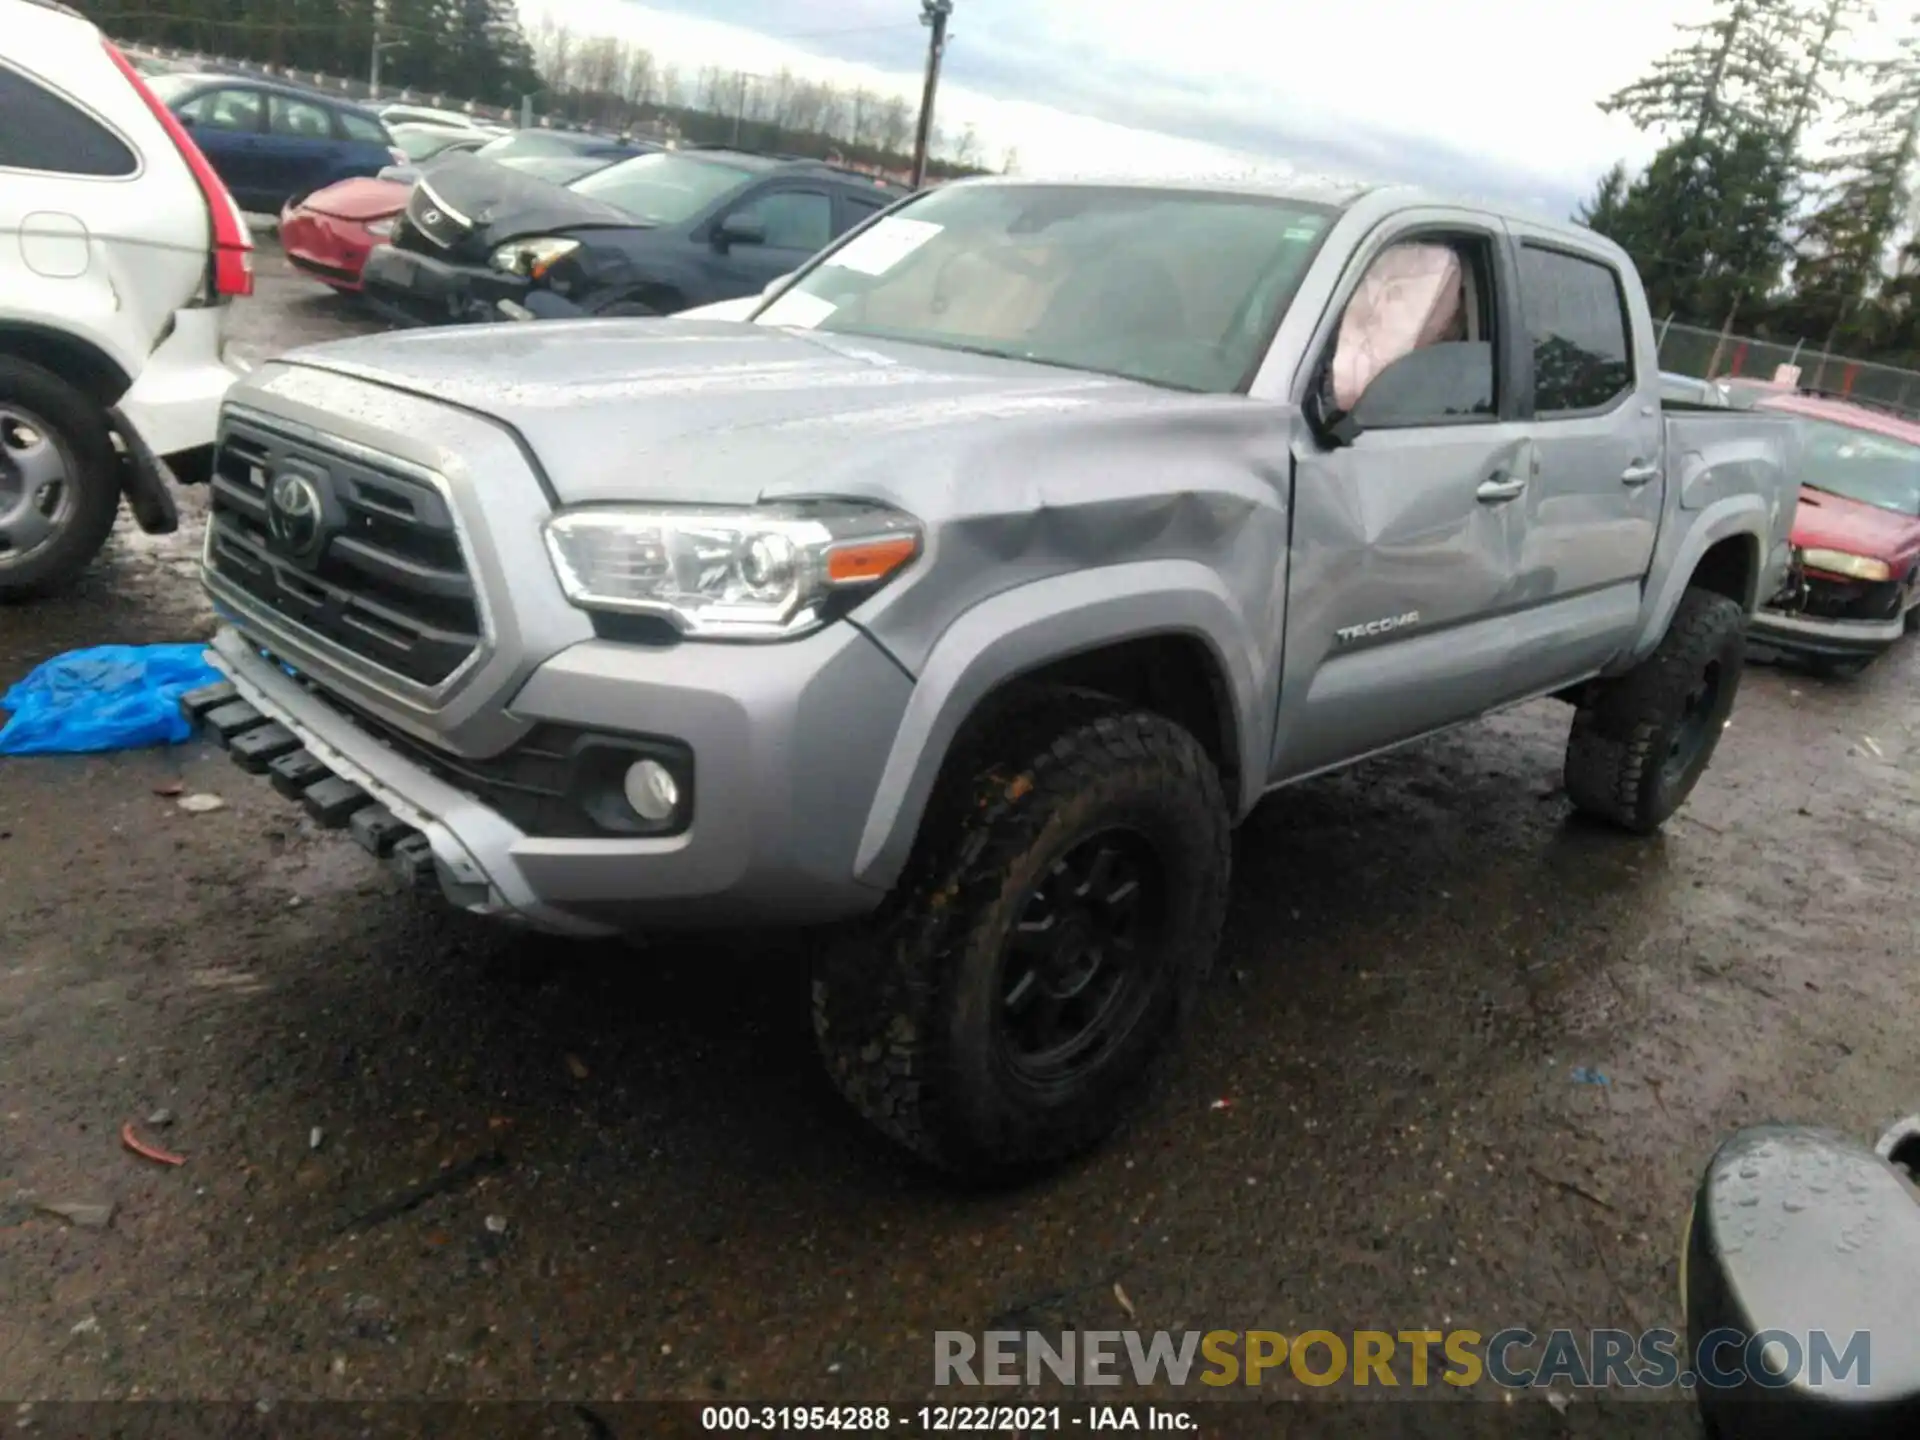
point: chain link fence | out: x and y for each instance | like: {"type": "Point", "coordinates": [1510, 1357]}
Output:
{"type": "Point", "coordinates": [1710, 355]}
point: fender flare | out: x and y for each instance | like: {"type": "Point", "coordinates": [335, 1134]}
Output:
{"type": "Point", "coordinates": [1736, 515]}
{"type": "Point", "coordinates": [1021, 630]}
{"type": "Point", "coordinates": [74, 357]}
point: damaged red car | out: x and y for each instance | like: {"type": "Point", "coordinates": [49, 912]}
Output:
{"type": "Point", "coordinates": [1855, 577]}
{"type": "Point", "coordinates": [328, 234]}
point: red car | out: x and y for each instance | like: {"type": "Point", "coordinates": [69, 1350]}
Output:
{"type": "Point", "coordinates": [1855, 577]}
{"type": "Point", "coordinates": [327, 235]}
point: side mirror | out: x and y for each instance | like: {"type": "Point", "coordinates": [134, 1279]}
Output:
{"type": "Point", "coordinates": [739, 230]}
{"type": "Point", "coordinates": [1802, 1260]}
{"type": "Point", "coordinates": [1331, 426]}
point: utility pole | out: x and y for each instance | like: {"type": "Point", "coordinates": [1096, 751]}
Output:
{"type": "Point", "coordinates": [933, 13]}
{"type": "Point", "coordinates": [380, 47]}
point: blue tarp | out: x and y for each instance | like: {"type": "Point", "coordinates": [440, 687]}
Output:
{"type": "Point", "coordinates": [109, 697]}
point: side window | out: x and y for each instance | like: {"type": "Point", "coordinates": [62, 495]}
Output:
{"type": "Point", "coordinates": [299, 119]}
{"type": "Point", "coordinates": [359, 127]}
{"type": "Point", "coordinates": [40, 131]}
{"type": "Point", "coordinates": [1415, 344]}
{"type": "Point", "coordinates": [1576, 318]}
{"type": "Point", "coordinates": [224, 110]}
{"type": "Point", "coordinates": [794, 219]}
{"type": "Point", "coordinates": [859, 207]}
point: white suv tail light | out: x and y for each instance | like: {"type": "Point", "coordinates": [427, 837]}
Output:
{"type": "Point", "coordinates": [232, 244]}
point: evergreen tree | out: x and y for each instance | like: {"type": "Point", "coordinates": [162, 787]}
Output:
{"type": "Point", "coordinates": [1865, 207]}
{"type": "Point", "coordinates": [1728, 74]}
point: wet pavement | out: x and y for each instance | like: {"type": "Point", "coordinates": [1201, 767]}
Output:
{"type": "Point", "coordinates": [425, 1157]}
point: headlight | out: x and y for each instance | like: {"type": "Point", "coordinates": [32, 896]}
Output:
{"type": "Point", "coordinates": [1839, 562]}
{"type": "Point", "coordinates": [732, 574]}
{"type": "Point", "coordinates": [531, 258]}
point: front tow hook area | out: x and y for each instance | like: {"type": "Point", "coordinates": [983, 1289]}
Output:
{"type": "Point", "coordinates": [261, 746]}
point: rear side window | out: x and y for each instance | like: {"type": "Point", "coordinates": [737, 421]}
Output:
{"type": "Point", "coordinates": [41, 131]}
{"type": "Point", "coordinates": [359, 127]}
{"type": "Point", "coordinates": [1576, 317]}
{"type": "Point", "coordinates": [298, 118]}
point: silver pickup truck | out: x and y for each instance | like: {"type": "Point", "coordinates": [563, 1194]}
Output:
{"type": "Point", "coordinates": [963, 600]}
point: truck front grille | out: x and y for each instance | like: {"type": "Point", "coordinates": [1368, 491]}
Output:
{"type": "Point", "coordinates": [361, 555]}
{"type": "Point", "coordinates": [429, 220]}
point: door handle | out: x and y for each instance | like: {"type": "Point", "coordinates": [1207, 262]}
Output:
{"type": "Point", "coordinates": [1500, 487]}
{"type": "Point", "coordinates": [1639, 474]}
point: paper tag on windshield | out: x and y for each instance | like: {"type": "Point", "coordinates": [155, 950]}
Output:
{"type": "Point", "coordinates": [885, 245]}
{"type": "Point", "coordinates": [798, 309]}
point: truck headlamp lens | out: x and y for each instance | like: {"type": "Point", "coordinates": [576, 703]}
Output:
{"type": "Point", "coordinates": [1839, 562]}
{"type": "Point", "coordinates": [768, 573]}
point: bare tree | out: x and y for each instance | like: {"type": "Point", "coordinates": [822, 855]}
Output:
{"type": "Point", "coordinates": [894, 125]}
{"type": "Point", "coordinates": [966, 150]}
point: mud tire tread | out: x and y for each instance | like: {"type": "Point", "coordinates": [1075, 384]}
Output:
{"type": "Point", "coordinates": [1623, 726]}
{"type": "Point", "coordinates": [883, 991]}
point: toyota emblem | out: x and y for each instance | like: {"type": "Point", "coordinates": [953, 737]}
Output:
{"type": "Point", "coordinates": [293, 513]}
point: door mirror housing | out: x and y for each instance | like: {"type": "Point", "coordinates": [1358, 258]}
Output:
{"type": "Point", "coordinates": [739, 230]}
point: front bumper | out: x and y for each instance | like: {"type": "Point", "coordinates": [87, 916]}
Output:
{"type": "Point", "coordinates": [331, 250]}
{"type": "Point", "coordinates": [174, 404]}
{"type": "Point", "coordinates": [783, 773]}
{"type": "Point", "coordinates": [1839, 639]}
{"type": "Point", "coordinates": [422, 289]}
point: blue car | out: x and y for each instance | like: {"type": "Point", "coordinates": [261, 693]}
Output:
{"type": "Point", "coordinates": [273, 143]}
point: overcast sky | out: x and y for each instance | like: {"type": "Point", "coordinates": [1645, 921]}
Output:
{"type": "Point", "coordinates": [1489, 97]}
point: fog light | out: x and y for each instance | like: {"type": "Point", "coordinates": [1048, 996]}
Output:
{"type": "Point", "coordinates": [651, 790]}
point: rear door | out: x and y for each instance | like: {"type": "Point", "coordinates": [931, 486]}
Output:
{"type": "Point", "coordinates": [300, 152]}
{"type": "Point", "coordinates": [1593, 502]}
{"type": "Point", "coordinates": [229, 125]}
{"type": "Point", "coordinates": [1400, 587]}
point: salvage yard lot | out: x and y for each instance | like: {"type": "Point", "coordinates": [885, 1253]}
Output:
{"type": "Point", "coordinates": [556, 1170]}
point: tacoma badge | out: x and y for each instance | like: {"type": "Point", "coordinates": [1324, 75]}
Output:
{"type": "Point", "coordinates": [1349, 633]}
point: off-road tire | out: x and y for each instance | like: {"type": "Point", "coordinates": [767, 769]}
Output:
{"type": "Point", "coordinates": [1625, 727]}
{"type": "Point", "coordinates": [904, 1006]}
{"type": "Point", "coordinates": [84, 429]}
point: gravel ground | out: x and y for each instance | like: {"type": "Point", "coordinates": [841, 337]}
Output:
{"type": "Point", "coordinates": [643, 1188]}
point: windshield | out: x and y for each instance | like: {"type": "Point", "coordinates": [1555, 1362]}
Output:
{"type": "Point", "coordinates": [529, 142]}
{"type": "Point", "coordinates": [662, 188]}
{"type": "Point", "coordinates": [171, 87]}
{"type": "Point", "coordinates": [1860, 465]}
{"type": "Point", "coordinates": [1176, 288]}
{"type": "Point", "coordinates": [424, 144]}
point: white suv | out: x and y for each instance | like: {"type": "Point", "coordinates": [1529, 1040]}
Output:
{"type": "Point", "coordinates": [120, 251]}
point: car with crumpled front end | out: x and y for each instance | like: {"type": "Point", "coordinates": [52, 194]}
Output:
{"type": "Point", "coordinates": [652, 235]}
{"type": "Point", "coordinates": [1855, 576]}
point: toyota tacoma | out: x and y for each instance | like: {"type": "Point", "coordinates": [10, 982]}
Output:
{"type": "Point", "coordinates": [963, 599]}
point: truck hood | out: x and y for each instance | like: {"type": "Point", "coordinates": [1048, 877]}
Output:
{"type": "Point", "coordinates": [1832, 522]}
{"type": "Point", "coordinates": [505, 203]}
{"type": "Point", "coordinates": [692, 411]}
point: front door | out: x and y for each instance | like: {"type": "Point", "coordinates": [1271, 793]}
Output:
{"type": "Point", "coordinates": [1593, 506]}
{"type": "Point", "coordinates": [1401, 584]}
{"type": "Point", "coordinates": [798, 223]}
